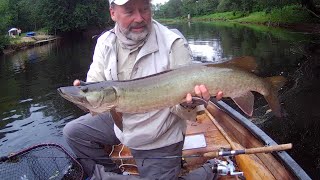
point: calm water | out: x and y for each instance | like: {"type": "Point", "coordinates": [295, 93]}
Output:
{"type": "Point", "coordinates": [32, 112]}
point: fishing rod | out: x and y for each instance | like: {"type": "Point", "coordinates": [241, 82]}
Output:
{"type": "Point", "coordinates": [220, 153]}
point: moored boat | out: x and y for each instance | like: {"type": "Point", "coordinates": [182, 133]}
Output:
{"type": "Point", "coordinates": [223, 128]}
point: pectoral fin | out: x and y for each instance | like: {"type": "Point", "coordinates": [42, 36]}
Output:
{"type": "Point", "coordinates": [245, 102]}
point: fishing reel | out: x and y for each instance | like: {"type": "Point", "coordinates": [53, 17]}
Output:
{"type": "Point", "coordinates": [225, 167]}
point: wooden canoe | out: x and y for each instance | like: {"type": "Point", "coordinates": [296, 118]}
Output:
{"type": "Point", "coordinates": [224, 127]}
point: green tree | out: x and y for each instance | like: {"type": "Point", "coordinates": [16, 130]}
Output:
{"type": "Point", "coordinates": [4, 23]}
{"type": "Point", "coordinates": [224, 5]}
{"type": "Point", "coordinates": [65, 16]}
{"type": "Point", "coordinates": [173, 8]}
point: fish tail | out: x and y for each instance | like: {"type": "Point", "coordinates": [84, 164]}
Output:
{"type": "Point", "coordinates": [276, 81]}
{"type": "Point", "coordinates": [272, 98]}
{"type": "Point", "coordinates": [273, 101]}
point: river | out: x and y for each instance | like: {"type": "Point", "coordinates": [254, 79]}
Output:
{"type": "Point", "coordinates": [32, 112]}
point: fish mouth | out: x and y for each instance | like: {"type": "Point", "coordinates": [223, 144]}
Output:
{"type": "Point", "coordinates": [80, 96]}
{"type": "Point", "coordinates": [73, 94]}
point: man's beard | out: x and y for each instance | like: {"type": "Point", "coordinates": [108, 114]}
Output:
{"type": "Point", "coordinates": [136, 36]}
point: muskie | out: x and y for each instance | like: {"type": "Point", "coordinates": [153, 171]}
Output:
{"type": "Point", "coordinates": [170, 87]}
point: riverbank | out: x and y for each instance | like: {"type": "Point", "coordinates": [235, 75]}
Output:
{"type": "Point", "coordinates": [291, 17]}
{"type": "Point", "coordinates": [23, 42]}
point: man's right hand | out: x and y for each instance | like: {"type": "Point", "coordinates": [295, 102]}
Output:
{"type": "Point", "coordinates": [76, 82]}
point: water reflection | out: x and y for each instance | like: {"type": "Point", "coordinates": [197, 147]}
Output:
{"type": "Point", "coordinates": [275, 50]}
{"type": "Point", "coordinates": [31, 111]}
{"type": "Point", "coordinates": [32, 55]}
{"type": "Point", "coordinates": [205, 51]}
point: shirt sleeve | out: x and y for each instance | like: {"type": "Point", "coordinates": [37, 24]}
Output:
{"type": "Point", "coordinates": [96, 71]}
{"type": "Point", "coordinates": [181, 55]}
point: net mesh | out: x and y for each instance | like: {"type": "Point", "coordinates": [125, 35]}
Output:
{"type": "Point", "coordinates": [45, 161]}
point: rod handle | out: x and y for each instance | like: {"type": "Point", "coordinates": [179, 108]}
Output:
{"type": "Point", "coordinates": [268, 149]}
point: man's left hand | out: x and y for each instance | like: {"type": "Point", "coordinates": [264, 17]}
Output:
{"type": "Point", "coordinates": [202, 92]}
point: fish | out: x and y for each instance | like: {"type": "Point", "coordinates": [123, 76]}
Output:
{"type": "Point", "coordinates": [169, 88]}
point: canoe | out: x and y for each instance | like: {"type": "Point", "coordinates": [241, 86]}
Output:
{"type": "Point", "coordinates": [219, 126]}
{"type": "Point", "coordinates": [225, 128]}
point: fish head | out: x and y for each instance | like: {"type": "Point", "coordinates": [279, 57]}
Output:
{"type": "Point", "coordinates": [96, 100]}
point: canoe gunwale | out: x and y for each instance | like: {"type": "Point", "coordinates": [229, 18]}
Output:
{"type": "Point", "coordinates": [284, 157]}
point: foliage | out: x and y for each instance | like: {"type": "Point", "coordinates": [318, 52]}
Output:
{"type": "Point", "coordinates": [4, 21]}
{"type": "Point", "coordinates": [222, 16]}
{"type": "Point", "coordinates": [3, 42]}
{"type": "Point", "coordinates": [288, 14]}
{"type": "Point", "coordinates": [175, 8]}
{"type": "Point", "coordinates": [71, 15]}
{"type": "Point", "coordinates": [60, 15]}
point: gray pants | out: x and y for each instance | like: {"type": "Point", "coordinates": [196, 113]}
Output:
{"type": "Point", "coordinates": [88, 135]}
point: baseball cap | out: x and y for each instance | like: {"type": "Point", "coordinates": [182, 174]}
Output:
{"type": "Point", "coordinates": [118, 2]}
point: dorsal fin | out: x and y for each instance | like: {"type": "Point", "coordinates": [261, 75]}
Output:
{"type": "Point", "coordinates": [246, 63]}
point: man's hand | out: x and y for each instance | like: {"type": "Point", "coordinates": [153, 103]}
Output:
{"type": "Point", "coordinates": [76, 82]}
{"type": "Point", "coordinates": [202, 92]}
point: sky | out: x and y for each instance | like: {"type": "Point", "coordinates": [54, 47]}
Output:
{"type": "Point", "coordinates": [158, 1]}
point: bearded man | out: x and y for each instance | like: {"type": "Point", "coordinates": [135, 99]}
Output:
{"type": "Point", "coordinates": [137, 46]}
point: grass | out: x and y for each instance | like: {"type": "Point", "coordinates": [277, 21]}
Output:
{"type": "Point", "coordinates": [221, 16]}
{"type": "Point", "coordinates": [287, 15]}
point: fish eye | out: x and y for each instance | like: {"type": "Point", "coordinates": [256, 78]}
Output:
{"type": "Point", "coordinates": [83, 89]}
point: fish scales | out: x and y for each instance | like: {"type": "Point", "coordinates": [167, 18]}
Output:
{"type": "Point", "coordinates": [171, 88]}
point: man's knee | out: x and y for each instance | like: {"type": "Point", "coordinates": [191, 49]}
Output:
{"type": "Point", "coordinates": [75, 128]}
{"type": "Point", "coordinates": [70, 129]}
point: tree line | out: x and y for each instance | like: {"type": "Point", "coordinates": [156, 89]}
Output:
{"type": "Point", "coordinates": [181, 8]}
{"type": "Point", "coordinates": [53, 15]}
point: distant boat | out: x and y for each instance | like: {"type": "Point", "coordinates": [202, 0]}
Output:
{"type": "Point", "coordinates": [30, 34]}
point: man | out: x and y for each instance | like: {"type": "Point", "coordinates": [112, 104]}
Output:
{"type": "Point", "coordinates": [136, 47]}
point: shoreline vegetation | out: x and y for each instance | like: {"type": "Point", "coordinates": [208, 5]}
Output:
{"type": "Point", "coordinates": [23, 42]}
{"type": "Point", "coordinates": [292, 17]}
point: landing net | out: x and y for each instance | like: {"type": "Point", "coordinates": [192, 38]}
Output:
{"type": "Point", "coordinates": [43, 161]}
